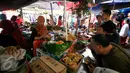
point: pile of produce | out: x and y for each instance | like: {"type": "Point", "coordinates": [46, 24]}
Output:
{"type": "Point", "coordinates": [80, 45]}
{"type": "Point", "coordinates": [59, 37]}
{"type": "Point", "coordinates": [57, 48]}
{"type": "Point", "coordinates": [72, 60]}
{"type": "Point", "coordinates": [56, 28]}
{"type": "Point", "coordinates": [71, 37]}
{"type": "Point", "coordinates": [49, 27]}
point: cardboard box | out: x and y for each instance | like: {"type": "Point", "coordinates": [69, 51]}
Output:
{"type": "Point", "coordinates": [47, 64]}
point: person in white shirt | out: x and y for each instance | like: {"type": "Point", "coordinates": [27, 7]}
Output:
{"type": "Point", "coordinates": [104, 70]}
{"type": "Point", "coordinates": [93, 69]}
{"type": "Point", "coordinates": [124, 31]}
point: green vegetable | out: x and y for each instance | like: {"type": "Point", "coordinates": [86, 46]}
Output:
{"type": "Point", "coordinates": [80, 45]}
{"type": "Point", "coordinates": [57, 49]}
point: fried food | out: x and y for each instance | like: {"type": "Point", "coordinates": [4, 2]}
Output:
{"type": "Point", "coordinates": [67, 60]}
{"type": "Point", "coordinates": [72, 59]}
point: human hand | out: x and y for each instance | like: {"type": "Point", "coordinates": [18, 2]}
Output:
{"type": "Point", "coordinates": [48, 37]}
{"type": "Point", "coordinates": [38, 38]}
{"type": "Point", "coordinates": [89, 46]}
{"type": "Point", "coordinates": [91, 68]}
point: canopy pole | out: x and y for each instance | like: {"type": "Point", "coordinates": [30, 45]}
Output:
{"type": "Point", "coordinates": [114, 5]}
{"type": "Point", "coordinates": [52, 12]}
{"type": "Point", "coordinates": [65, 23]}
{"type": "Point", "coordinates": [21, 12]}
{"type": "Point", "coordinates": [51, 9]}
{"type": "Point", "coordinates": [89, 19]}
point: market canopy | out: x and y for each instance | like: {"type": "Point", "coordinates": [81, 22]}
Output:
{"type": "Point", "coordinates": [45, 5]}
{"type": "Point", "coordinates": [116, 4]}
{"type": "Point", "coordinates": [115, 1]}
{"type": "Point", "coordinates": [99, 1]}
{"type": "Point", "coordinates": [125, 10]}
{"type": "Point", "coordinates": [15, 4]}
{"type": "Point", "coordinates": [110, 4]}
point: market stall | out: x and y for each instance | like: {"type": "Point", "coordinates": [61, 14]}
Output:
{"type": "Point", "coordinates": [70, 53]}
{"type": "Point", "coordinates": [57, 55]}
{"type": "Point", "coordinates": [63, 52]}
{"type": "Point", "coordinates": [73, 56]}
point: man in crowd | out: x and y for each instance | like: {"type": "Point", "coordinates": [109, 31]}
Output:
{"type": "Point", "coordinates": [106, 29]}
{"type": "Point", "coordinates": [106, 17]}
{"type": "Point", "coordinates": [112, 55]}
{"type": "Point", "coordinates": [110, 27]}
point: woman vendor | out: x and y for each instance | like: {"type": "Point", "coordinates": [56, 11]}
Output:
{"type": "Point", "coordinates": [39, 34]}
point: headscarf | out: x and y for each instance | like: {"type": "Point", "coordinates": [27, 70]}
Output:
{"type": "Point", "coordinates": [41, 29]}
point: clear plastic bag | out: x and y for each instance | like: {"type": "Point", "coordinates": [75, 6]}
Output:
{"type": "Point", "coordinates": [23, 67]}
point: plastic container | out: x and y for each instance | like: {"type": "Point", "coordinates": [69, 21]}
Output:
{"type": "Point", "coordinates": [23, 67]}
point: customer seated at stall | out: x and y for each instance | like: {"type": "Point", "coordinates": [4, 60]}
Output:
{"type": "Point", "coordinates": [112, 55]}
{"type": "Point", "coordinates": [39, 34]}
{"type": "Point", "coordinates": [9, 29]}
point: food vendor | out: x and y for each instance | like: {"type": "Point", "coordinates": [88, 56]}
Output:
{"type": "Point", "coordinates": [39, 34]}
